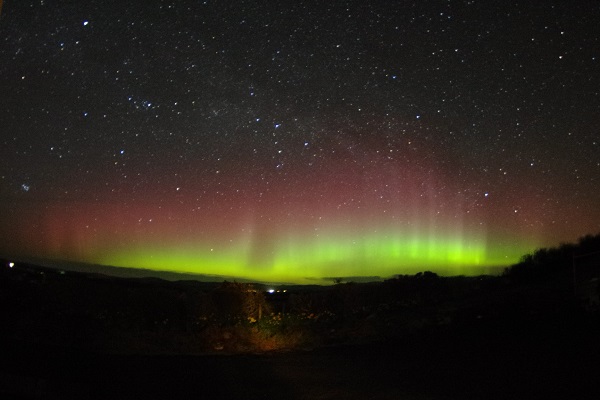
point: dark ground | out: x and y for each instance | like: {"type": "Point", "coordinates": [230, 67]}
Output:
{"type": "Point", "coordinates": [500, 340]}
{"type": "Point", "coordinates": [539, 358]}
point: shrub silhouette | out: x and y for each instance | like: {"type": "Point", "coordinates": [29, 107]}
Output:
{"type": "Point", "coordinates": [236, 302]}
{"type": "Point", "coordinates": [551, 263]}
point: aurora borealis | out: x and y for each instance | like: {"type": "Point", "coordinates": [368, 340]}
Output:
{"type": "Point", "coordinates": [295, 141]}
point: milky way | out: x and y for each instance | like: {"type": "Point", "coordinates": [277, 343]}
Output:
{"type": "Point", "coordinates": [298, 140]}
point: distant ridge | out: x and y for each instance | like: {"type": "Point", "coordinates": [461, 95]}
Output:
{"type": "Point", "coordinates": [125, 272]}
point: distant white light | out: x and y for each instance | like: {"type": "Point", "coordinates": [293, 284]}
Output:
{"type": "Point", "coordinates": [85, 23]}
{"type": "Point", "coordinates": [11, 264]}
{"type": "Point", "coordinates": [486, 194]}
{"type": "Point", "coordinates": [271, 290]}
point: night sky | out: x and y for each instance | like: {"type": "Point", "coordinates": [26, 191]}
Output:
{"type": "Point", "coordinates": [298, 140]}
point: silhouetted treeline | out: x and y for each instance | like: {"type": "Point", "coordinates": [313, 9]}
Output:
{"type": "Point", "coordinates": [555, 263]}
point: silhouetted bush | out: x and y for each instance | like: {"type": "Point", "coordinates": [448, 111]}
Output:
{"type": "Point", "coordinates": [551, 263]}
{"type": "Point", "coordinates": [236, 302]}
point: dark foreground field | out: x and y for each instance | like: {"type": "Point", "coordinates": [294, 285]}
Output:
{"type": "Point", "coordinates": [539, 358]}
{"type": "Point", "coordinates": [81, 336]}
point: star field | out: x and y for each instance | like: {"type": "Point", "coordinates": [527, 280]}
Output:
{"type": "Point", "coordinates": [298, 140]}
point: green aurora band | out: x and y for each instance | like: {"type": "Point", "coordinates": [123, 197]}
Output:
{"type": "Point", "coordinates": [318, 261]}
{"type": "Point", "coordinates": [265, 246]}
